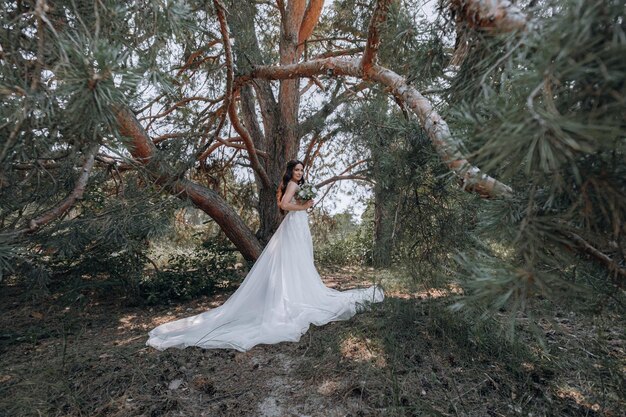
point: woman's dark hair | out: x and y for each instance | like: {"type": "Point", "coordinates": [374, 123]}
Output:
{"type": "Point", "coordinates": [286, 178]}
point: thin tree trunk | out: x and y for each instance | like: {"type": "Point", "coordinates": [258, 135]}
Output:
{"type": "Point", "coordinates": [272, 136]}
{"type": "Point", "coordinates": [382, 249]}
{"type": "Point", "coordinates": [289, 90]}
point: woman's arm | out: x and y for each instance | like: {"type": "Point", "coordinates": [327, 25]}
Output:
{"type": "Point", "coordinates": [285, 202]}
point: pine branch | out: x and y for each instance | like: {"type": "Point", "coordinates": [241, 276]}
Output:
{"type": "Point", "coordinates": [162, 138]}
{"type": "Point", "coordinates": [313, 121]}
{"type": "Point", "coordinates": [340, 52]}
{"type": "Point", "coordinates": [40, 10]}
{"type": "Point", "coordinates": [13, 136]}
{"type": "Point", "coordinates": [318, 141]}
{"type": "Point", "coordinates": [247, 139]}
{"type": "Point", "coordinates": [312, 80]}
{"type": "Point", "coordinates": [586, 247]}
{"type": "Point", "coordinates": [309, 149]}
{"type": "Point", "coordinates": [191, 61]}
{"type": "Point", "coordinates": [231, 143]}
{"type": "Point", "coordinates": [67, 203]}
{"type": "Point", "coordinates": [180, 104]}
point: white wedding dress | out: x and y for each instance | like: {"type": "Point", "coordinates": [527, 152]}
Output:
{"type": "Point", "coordinates": [281, 296]}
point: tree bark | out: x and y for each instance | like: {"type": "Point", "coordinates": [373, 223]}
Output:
{"type": "Point", "coordinates": [144, 151]}
{"type": "Point", "coordinates": [383, 198]}
{"type": "Point", "coordinates": [289, 90]}
{"type": "Point", "coordinates": [586, 247]}
{"type": "Point", "coordinates": [382, 247]}
{"type": "Point", "coordinates": [490, 15]}
{"type": "Point", "coordinates": [373, 34]}
{"type": "Point", "coordinates": [279, 121]}
{"type": "Point", "coordinates": [309, 21]}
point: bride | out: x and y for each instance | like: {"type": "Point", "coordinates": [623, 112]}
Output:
{"type": "Point", "coordinates": [281, 295]}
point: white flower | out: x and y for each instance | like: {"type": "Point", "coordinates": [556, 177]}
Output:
{"type": "Point", "coordinates": [306, 192]}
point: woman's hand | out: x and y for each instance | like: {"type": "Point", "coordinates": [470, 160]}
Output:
{"type": "Point", "coordinates": [308, 204]}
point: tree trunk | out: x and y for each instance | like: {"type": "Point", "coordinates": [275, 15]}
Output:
{"type": "Point", "coordinates": [279, 135]}
{"type": "Point", "coordinates": [382, 250]}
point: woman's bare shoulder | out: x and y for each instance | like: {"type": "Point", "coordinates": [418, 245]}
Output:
{"type": "Point", "coordinates": [292, 185]}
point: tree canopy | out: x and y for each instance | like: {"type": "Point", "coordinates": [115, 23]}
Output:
{"type": "Point", "coordinates": [109, 107]}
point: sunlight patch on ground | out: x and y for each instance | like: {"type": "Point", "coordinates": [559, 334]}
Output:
{"type": "Point", "coordinates": [578, 397]}
{"type": "Point", "coordinates": [129, 340]}
{"type": "Point", "coordinates": [503, 250]}
{"type": "Point", "coordinates": [328, 387]}
{"type": "Point", "coordinates": [138, 322]}
{"type": "Point", "coordinates": [127, 322]}
{"type": "Point", "coordinates": [430, 293]}
{"type": "Point", "coordinates": [158, 320]}
{"type": "Point", "coordinates": [361, 349]}
{"type": "Point", "coordinates": [192, 308]}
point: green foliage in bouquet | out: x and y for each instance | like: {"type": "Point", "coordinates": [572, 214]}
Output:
{"type": "Point", "coordinates": [306, 192]}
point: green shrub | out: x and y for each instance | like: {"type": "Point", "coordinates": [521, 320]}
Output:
{"type": "Point", "coordinates": [353, 249]}
{"type": "Point", "coordinates": [203, 272]}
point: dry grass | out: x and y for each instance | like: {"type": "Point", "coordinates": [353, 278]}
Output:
{"type": "Point", "coordinates": [406, 357]}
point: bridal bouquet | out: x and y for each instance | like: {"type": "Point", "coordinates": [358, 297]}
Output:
{"type": "Point", "coordinates": [306, 192]}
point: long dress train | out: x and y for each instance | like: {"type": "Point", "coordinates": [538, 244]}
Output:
{"type": "Point", "coordinates": [280, 297]}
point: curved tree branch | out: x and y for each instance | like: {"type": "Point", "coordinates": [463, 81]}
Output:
{"type": "Point", "coordinates": [67, 203]}
{"type": "Point", "coordinates": [448, 148]}
{"type": "Point", "coordinates": [144, 151]}
{"type": "Point", "coordinates": [336, 178]}
{"type": "Point", "coordinates": [191, 61]}
{"type": "Point", "coordinates": [281, 8]}
{"type": "Point", "coordinates": [586, 247]}
{"type": "Point", "coordinates": [317, 142]}
{"type": "Point", "coordinates": [354, 164]}
{"type": "Point", "coordinates": [231, 143]}
{"type": "Point", "coordinates": [229, 103]}
{"type": "Point", "coordinates": [247, 140]}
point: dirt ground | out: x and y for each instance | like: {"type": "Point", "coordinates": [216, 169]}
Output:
{"type": "Point", "coordinates": [87, 357]}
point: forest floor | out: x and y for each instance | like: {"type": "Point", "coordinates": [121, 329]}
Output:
{"type": "Point", "coordinates": [409, 356]}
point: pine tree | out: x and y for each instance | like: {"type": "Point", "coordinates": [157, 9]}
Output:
{"type": "Point", "coordinates": [544, 110]}
{"type": "Point", "coordinates": [167, 96]}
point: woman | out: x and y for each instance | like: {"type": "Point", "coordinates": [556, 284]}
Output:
{"type": "Point", "coordinates": [281, 295]}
